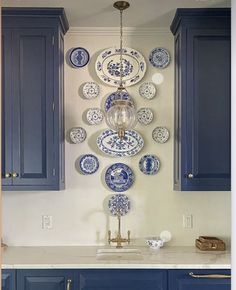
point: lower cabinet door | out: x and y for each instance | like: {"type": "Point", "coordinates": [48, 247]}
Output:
{"type": "Point", "coordinates": [45, 280]}
{"type": "Point", "coordinates": [199, 280]}
{"type": "Point", "coordinates": [8, 280]}
{"type": "Point", "coordinates": [122, 279]}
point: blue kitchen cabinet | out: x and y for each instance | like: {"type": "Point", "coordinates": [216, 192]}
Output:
{"type": "Point", "coordinates": [33, 105]}
{"type": "Point", "coordinates": [185, 280]}
{"type": "Point", "coordinates": [122, 279]}
{"type": "Point", "coordinates": [202, 99]}
{"type": "Point", "coordinates": [8, 279]}
{"type": "Point", "coordinates": [42, 279]}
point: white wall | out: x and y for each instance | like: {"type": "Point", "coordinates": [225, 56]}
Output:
{"type": "Point", "coordinates": [79, 212]}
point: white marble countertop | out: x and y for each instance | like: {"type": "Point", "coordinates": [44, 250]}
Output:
{"type": "Point", "coordinates": [82, 257]}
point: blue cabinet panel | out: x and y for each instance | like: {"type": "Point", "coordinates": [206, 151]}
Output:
{"type": "Point", "coordinates": [123, 279]}
{"type": "Point", "coordinates": [202, 99]}
{"type": "Point", "coordinates": [33, 146]}
{"type": "Point", "coordinates": [181, 280]}
{"type": "Point", "coordinates": [45, 280]}
{"type": "Point", "coordinates": [8, 280]}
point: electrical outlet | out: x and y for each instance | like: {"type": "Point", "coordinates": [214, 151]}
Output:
{"type": "Point", "coordinates": [187, 221]}
{"type": "Point", "coordinates": [46, 222]}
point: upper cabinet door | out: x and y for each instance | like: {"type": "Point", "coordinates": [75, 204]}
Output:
{"type": "Point", "coordinates": [8, 279]}
{"type": "Point", "coordinates": [202, 99]}
{"type": "Point", "coordinates": [6, 108]}
{"type": "Point", "coordinates": [33, 98]}
{"type": "Point", "coordinates": [33, 157]}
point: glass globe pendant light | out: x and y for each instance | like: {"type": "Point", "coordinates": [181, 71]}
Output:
{"type": "Point", "coordinates": [122, 115]}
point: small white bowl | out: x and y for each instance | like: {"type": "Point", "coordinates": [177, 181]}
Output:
{"type": "Point", "coordinates": [155, 243]}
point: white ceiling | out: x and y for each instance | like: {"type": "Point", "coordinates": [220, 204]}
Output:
{"type": "Point", "coordinates": [100, 13]}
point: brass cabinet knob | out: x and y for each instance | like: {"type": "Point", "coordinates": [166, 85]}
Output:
{"type": "Point", "coordinates": [7, 175]}
{"type": "Point", "coordinates": [68, 284]}
{"type": "Point", "coordinates": [190, 175]}
{"type": "Point", "coordinates": [14, 174]}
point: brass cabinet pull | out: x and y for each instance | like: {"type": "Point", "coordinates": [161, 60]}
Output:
{"type": "Point", "coordinates": [14, 174]}
{"type": "Point", "coordinates": [210, 276]}
{"type": "Point", "coordinates": [7, 175]}
{"type": "Point", "coordinates": [190, 175]}
{"type": "Point", "coordinates": [68, 284]}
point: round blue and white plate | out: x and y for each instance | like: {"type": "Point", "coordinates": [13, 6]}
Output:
{"type": "Point", "coordinates": [94, 116]}
{"type": "Point", "coordinates": [107, 66]}
{"type": "Point", "coordinates": [77, 135]}
{"type": "Point", "coordinates": [119, 204]}
{"type": "Point", "coordinates": [116, 96]}
{"type": "Point", "coordinates": [147, 90]}
{"type": "Point", "coordinates": [159, 57]}
{"type": "Point", "coordinates": [160, 134]}
{"type": "Point", "coordinates": [149, 164]}
{"type": "Point", "coordinates": [91, 90]}
{"type": "Point", "coordinates": [145, 116]}
{"type": "Point", "coordinates": [110, 143]}
{"type": "Point", "coordinates": [79, 57]}
{"type": "Point", "coordinates": [89, 164]}
{"type": "Point", "coordinates": [119, 177]}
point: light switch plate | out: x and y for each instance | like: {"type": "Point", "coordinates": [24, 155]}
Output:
{"type": "Point", "coordinates": [46, 222]}
{"type": "Point", "coordinates": [187, 221]}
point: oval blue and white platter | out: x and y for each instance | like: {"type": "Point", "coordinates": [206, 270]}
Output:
{"type": "Point", "coordinates": [107, 66]}
{"type": "Point", "coordinates": [110, 143]}
{"type": "Point", "coordinates": [119, 204]}
{"type": "Point", "coordinates": [79, 57]}
{"type": "Point", "coordinates": [89, 164]}
{"type": "Point", "coordinates": [119, 177]}
{"type": "Point", "coordinates": [149, 164]}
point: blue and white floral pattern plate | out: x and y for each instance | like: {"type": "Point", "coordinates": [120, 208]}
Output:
{"type": "Point", "coordinates": [160, 134]}
{"type": "Point", "coordinates": [149, 164]}
{"type": "Point", "coordinates": [147, 90]}
{"type": "Point", "coordinates": [79, 57]}
{"type": "Point", "coordinates": [107, 66]}
{"type": "Point", "coordinates": [89, 164]}
{"type": "Point", "coordinates": [145, 116]}
{"type": "Point", "coordinates": [109, 143]}
{"type": "Point", "coordinates": [119, 177]}
{"type": "Point", "coordinates": [116, 96]}
{"type": "Point", "coordinates": [159, 57]}
{"type": "Point", "coordinates": [119, 204]}
{"type": "Point", "coordinates": [77, 135]}
{"type": "Point", "coordinates": [94, 116]}
{"type": "Point", "coordinates": [91, 90]}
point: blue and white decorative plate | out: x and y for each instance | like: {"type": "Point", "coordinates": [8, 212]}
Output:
{"type": "Point", "coordinates": [119, 177]}
{"type": "Point", "coordinates": [79, 57]}
{"type": "Point", "coordinates": [77, 135]}
{"type": "Point", "coordinates": [149, 164]}
{"type": "Point", "coordinates": [145, 116]}
{"type": "Point", "coordinates": [147, 90]}
{"type": "Point", "coordinates": [89, 164]}
{"type": "Point", "coordinates": [119, 204]}
{"type": "Point", "coordinates": [109, 143]}
{"type": "Point", "coordinates": [116, 96]}
{"type": "Point", "coordinates": [160, 134]}
{"type": "Point", "coordinates": [91, 90]}
{"type": "Point", "coordinates": [159, 57]}
{"type": "Point", "coordinates": [107, 66]}
{"type": "Point", "coordinates": [94, 116]}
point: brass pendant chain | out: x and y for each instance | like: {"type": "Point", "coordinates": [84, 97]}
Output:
{"type": "Point", "coordinates": [121, 48]}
